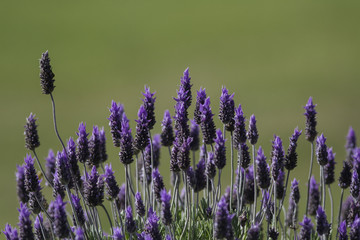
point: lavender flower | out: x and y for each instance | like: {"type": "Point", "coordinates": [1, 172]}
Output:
{"type": "Point", "coordinates": [117, 234]}
{"type": "Point", "coordinates": [227, 108]}
{"type": "Point", "coordinates": [120, 201]}
{"type": "Point", "coordinates": [200, 99]}
{"type": "Point", "coordinates": [355, 185]}
{"type": "Point", "coordinates": [174, 167]}
{"type": "Point", "coordinates": [166, 216]}
{"type": "Point", "coordinates": [62, 168]}
{"type": "Point", "coordinates": [156, 153]}
{"type": "Point", "coordinates": [291, 214]}
{"type": "Point", "coordinates": [200, 177]}
{"type": "Point", "coordinates": [82, 150]}
{"type": "Point", "coordinates": [183, 156]}
{"type": "Point", "coordinates": [329, 168]}
{"type": "Point", "coordinates": [103, 155]}
{"type": "Point", "coordinates": [149, 105]}
{"type": "Point", "coordinates": [20, 185]}
{"type": "Point", "coordinates": [130, 224]}
{"type": "Point", "coordinates": [58, 188]}
{"type": "Point", "coordinates": [158, 184]}
{"type": "Point", "coordinates": [194, 134]}
{"type": "Point", "coordinates": [220, 150]}
{"type": "Point", "coordinates": [152, 226]}
{"type": "Point", "coordinates": [306, 230]}
{"type": "Point", "coordinates": [142, 128]}
{"type": "Point", "coordinates": [310, 113]}
{"type": "Point", "coordinates": [111, 186]}
{"type": "Point", "coordinates": [277, 157]}
{"type": "Point", "coordinates": [186, 85]}
{"type": "Point", "coordinates": [322, 225]}
{"type": "Point", "coordinates": [10, 233]}
{"type": "Point", "coordinates": [181, 120]}
{"type": "Point", "coordinates": [263, 176]}
{"type": "Point", "coordinates": [33, 201]}
{"type": "Point", "coordinates": [94, 189]}
{"type": "Point", "coordinates": [280, 185]}
{"type": "Point", "coordinates": [291, 156]}
{"type": "Point", "coordinates": [295, 192]}
{"type": "Point", "coordinates": [78, 210]}
{"type": "Point", "coordinates": [249, 186]}
{"type": "Point", "coordinates": [345, 176]}
{"type": "Point", "coordinates": [342, 231]}
{"type": "Point", "coordinates": [31, 134]}
{"type": "Point", "coordinates": [116, 112]}
{"type": "Point", "coordinates": [239, 129]}
{"type": "Point", "coordinates": [139, 205]}
{"type": "Point", "coordinates": [314, 197]}
{"type": "Point", "coordinates": [79, 234]}
{"type": "Point", "coordinates": [210, 170]}
{"type": "Point", "coordinates": [61, 229]}
{"type": "Point", "coordinates": [190, 176]}
{"type": "Point", "coordinates": [46, 74]}
{"type": "Point", "coordinates": [37, 227]}
{"type": "Point", "coordinates": [321, 150]}
{"type": "Point", "coordinates": [167, 133]}
{"type": "Point", "coordinates": [25, 224]}
{"type": "Point", "coordinates": [50, 165]}
{"type": "Point", "coordinates": [94, 148]}
{"type": "Point", "coordinates": [207, 122]}
{"type": "Point", "coordinates": [72, 161]}
{"type": "Point", "coordinates": [31, 178]}
{"type": "Point", "coordinates": [253, 233]}
{"type": "Point", "coordinates": [355, 229]}
{"type": "Point", "coordinates": [221, 220]}
{"type": "Point", "coordinates": [252, 133]}
{"type": "Point", "coordinates": [350, 144]}
{"type": "Point", "coordinates": [126, 142]}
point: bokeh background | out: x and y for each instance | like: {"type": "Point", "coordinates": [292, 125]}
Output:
{"type": "Point", "coordinates": [272, 54]}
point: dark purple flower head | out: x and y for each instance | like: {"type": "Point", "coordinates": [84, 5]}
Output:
{"type": "Point", "coordinates": [167, 132]}
{"type": "Point", "coordinates": [73, 164]}
{"type": "Point", "coordinates": [253, 233]}
{"type": "Point", "coordinates": [174, 167]}
{"type": "Point", "coordinates": [37, 227]}
{"type": "Point", "coordinates": [25, 224]}
{"type": "Point", "coordinates": [355, 185]}
{"type": "Point", "coordinates": [194, 134]}
{"type": "Point", "coordinates": [269, 207]}
{"type": "Point", "coordinates": [20, 185]}
{"type": "Point", "coordinates": [277, 157]}
{"type": "Point", "coordinates": [58, 188]}
{"type": "Point", "coordinates": [82, 150]}
{"type": "Point", "coordinates": [220, 150]}
{"type": "Point", "coordinates": [329, 168]}
{"type": "Point", "coordinates": [31, 134]}
{"type": "Point", "coordinates": [249, 186]}
{"type": "Point", "coordinates": [342, 231]}
{"type": "Point", "coordinates": [280, 185]}
{"type": "Point", "coordinates": [314, 197]}
{"type": "Point", "coordinates": [130, 224]}
{"type": "Point", "coordinates": [121, 197]}
{"type": "Point", "coordinates": [239, 130]}
{"type": "Point", "coordinates": [210, 170]}
{"type": "Point", "coordinates": [149, 105]}
{"type": "Point", "coordinates": [227, 106]}
{"type": "Point", "coordinates": [10, 232]}
{"type": "Point", "coordinates": [139, 205]}
{"type": "Point", "coordinates": [351, 139]}
{"type": "Point", "coordinates": [263, 176]}
{"type": "Point", "coordinates": [221, 219]}
{"type": "Point", "coordinates": [117, 234]}
{"type": "Point", "coordinates": [46, 74]}
{"type": "Point", "coordinates": [322, 225]}
{"type": "Point", "coordinates": [245, 156]}
{"type": "Point", "coordinates": [291, 156]}
{"type": "Point", "coordinates": [62, 168]}
{"type": "Point", "coordinates": [50, 165]}
{"type": "Point", "coordinates": [181, 120]}
{"type": "Point", "coordinates": [273, 234]}
{"type": "Point", "coordinates": [61, 229]}
{"type": "Point", "coordinates": [355, 229]}
{"type": "Point", "coordinates": [33, 203]}
{"type": "Point", "coordinates": [78, 209]}
{"type": "Point", "coordinates": [79, 234]}
{"type": "Point", "coordinates": [200, 99]}
{"type": "Point", "coordinates": [310, 113]}
{"type": "Point", "coordinates": [207, 122]}
{"type": "Point", "coordinates": [142, 128]}
{"type": "Point", "coordinates": [190, 177]}
{"type": "Point", "coordinates": [295, 192]}
{"type": "Point", "coordinates": [252, 133]}
{"type": "Point", "coordinates": [183, 156]}
{"type": "Point", "coordinates": [307, 229]}
{"type": "Point", "coordinates": [116, 112]}
{"type": "Point", "coordinates": [166, 216]}
{"type": "Point", "coordinates": [156, 154]}
{"type": "Point", "coordinates": [94, 148]}
{"type": "Point", "coordinates": [152, 226]}
{"type": "Point", "coordinates": [291, 214]}
{"type": "Point", "coordinates": [103, 155]}
{"type": "Point", "coordinates": [31, 178]}
{"type": "Point", "coordinates": [126, 142]}
{"type": "Point", "coordinates": [186, 85]}
{"type": "Point", "coordinates": [234, 196]}
{"type": "Point", "coordinates": [200, 177]}
{"type": "Point", "coordinates": [94, 189]}
{"type": "Point", "coordinates": [321, 150]}
{"type": "Point", "coordinates": [158, 184]}
{"type": "Point", "coordinates": [345, 175]}
{"type": "Point", "coordinates": [111, 186]}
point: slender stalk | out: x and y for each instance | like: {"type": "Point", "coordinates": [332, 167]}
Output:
{"type": "Point", "coordinates": [255, 185]}
{"type": "Point", "coordinates": [144, 180]}
{"type": "Point", "coordinates": [283, 198]}
{"type": "Point", "coordinates": [332, 204]}
{"type": "Point", "coordinates": [310, 172]}
{"type": "Point", "coordinates": [274, 215]}
{"type": "Point", "coordinates": [173, 199]}
{"type": "Point", "coordinates": [72, 204]}
{"type": "Point", "coordinates": [339, 215]}
{"type": "Point", "coordinates": [126, 188]}
{"type": "Point", "coordinates": [137, 173]}
{"type": "Point", "coordinates": [324, 187]}
{"type": "Point", "coordinates": [218, 188]}
{"type": "Point", "coordinates": [108, 216]}
{"type": "Point", "coordinates": [232, 169]}
{"type": "Point", "coordinates": [239, 182]}
{"type": "Point", "coordinates": [54, 119]}
{"type": "Point", "coordinates": [42, 229]}
{"type": "Point", "coordinates": [118, 210]}
{"type": "Point", "coordinates": [187, 206]}
{"type": "Point", "coordinates": [152, 169]}
{"type": "Point", "coordinates": [43, 209]}
{"type": "Point", "coordinates": [42, 170]}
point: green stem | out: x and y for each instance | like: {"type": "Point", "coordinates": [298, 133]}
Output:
{"type": "Point", "coordinates": [42, 170]}
{"type": "Point", "coordinates": [339, 215]}
{"type": "Point", "coordinates": [309, 177]}
{"type": "Point", "coordinates": [255, 185]}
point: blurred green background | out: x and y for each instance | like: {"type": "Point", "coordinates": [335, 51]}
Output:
{"type": "Point", "coordinates": [272, 54]}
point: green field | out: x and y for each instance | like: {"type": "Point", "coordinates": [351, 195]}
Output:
{"type": "Point", "coordinates": [272, 54]}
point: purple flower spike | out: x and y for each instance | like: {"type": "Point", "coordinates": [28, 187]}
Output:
{"type": "Point", "coordinates": [166, 216]}
{"type": "Point", "coordinates": [126, 142]}
{"type": "Point", "coordinates": [58, 188]}
{"type": "Point", "coordinates": [207, 122]}
{"type": "Point", "coordinates": [94, 148]}
{"type": "Point", "coordinates": [156, 153]}
{"type": "Point", "coordinates": [220, 150]}
{"type": "Point", "coordinates": [25, 224]}
{"type": "Point", "coordinates": [152, 226]}
{"type": "Point", "coordinates": [350, 144]}
{"type": "Point", "coordinates": [280, 185]}
{"type": "Point", "coordinates": [186, 85]}
{"type": "Point", "coordinates": [210, 170]}
{"type": "Point", "coordinates": [94, 189]}
{"type": "Point", "coordinates": [342, 231]}
{"type": "Point", "coordinates": [142, 128]}
{"type": "Point", "coordinates": [314, 197]}
{"type": "Point", "coordinates": [221, 223]}
{"type": "Point", "coordinates": [82, 150]}
{"type": "Point", "coordinates": [149, 105]}
{"type": "Point", "coordinates": [249, 186]}
{"type": "Point", "coordinates": [31, 178]}
{"type": "Point", "coordinates": [194, 134]}
{"type": "Point", "coordinates": [355, 229]}
{"type": "Point", "coordinates": [158, 184]}
{"type": "Point", "coordinates": [50, 165]}
{"type": "Point", "coordinates": [253, 233]}
{"type": "Point", "coordinates": [103, 155]}
{"type": "Point", "coordinates": [263, 176]}
{"type": "Point", "coordinates": [79, 234]}
{"type": "Point", "coordinates": [200, 177]}
{"type": "Point", "coordinates": [227, 107]}
{"type": "Point", "coordinates": [181, 120]}
{"type": "Point", "coordinates": [345, 176]}
{"type": "Point", "coordinates": [329, 168]}
{"type": "Point", "coordinates": [116, 112]}
{"type": "Point", "coordinates": [307, 229]}
{"type": "Point", "coordinates": [310, 113]}
{"type": "Point", "coordinates": [190, 176]}
{"type": "Point", "coordinates": [183, 156]}
{"type": "Point", "coordinates": [291, 156]}
{"type": "Point", "coordinates": [245, 156]}
{"type": "Point", "coordinates": [295, 192]}
{"type": "Point", "coordinates": [37, 227]}
{"type": "Point", "coordinates": [10, 233]}
{"type": "Point", "coordinates": [321, 150]}
{"type": "Point", "coordinates": [200, 99]}
{"type": "Point", "coordinates": [61, 229]}
{"type": "Point", "coordinates": [291, 214]}
{"type": "Point", "coordinates": [62, 168]}
{"type": "Point", "coordinates": [167, 132]}
{"type": "Point", "coordinates": [174, 167]}
{"type": "Point", "coordinates": [322, 225]}
{"type": "Point", "coordinates": [140, 208]}
{"type": "Point", "coordinates": [111, 186]}
{"type": "Point", "coordinates": [117, 234]}
{"type": "Point", "coordinates": [46, 74]}
{"type": "Point", "coordinates": [277, 157]}
{"type": "Point", "coordinates": [130, 224]}
{"type": "Point", "coordinates": [73, 164]}
{"type": "Point", "coordinates": [20, 185]}
{"type": "Point", "coordinates": [355, 185]}
{"type": "Point", "coordinates": [252, 133]}
{"type": "Point", "coordinates": [121, 197]}
{"type": "Point", "coordinates": [78, 209]}
{"type": "Point", "coordinates": [31, 134]}
{"type": "Point", "coordinates": [239, 130]}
